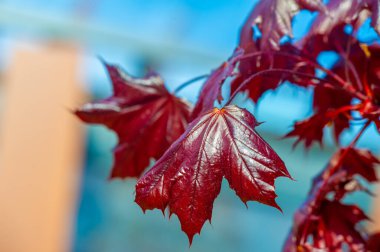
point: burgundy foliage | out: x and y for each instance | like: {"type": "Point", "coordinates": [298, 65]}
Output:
{"type": "Point", "coordinates": [220, 143]}
{"type": "Point", "coordinates": [143, 114]}
{"type": "Point", "coordinates": [196, 148]}
{"type": "Point", "coordinates": [274, 18]}
{"type": "Point", "coordinates": [211, 89]}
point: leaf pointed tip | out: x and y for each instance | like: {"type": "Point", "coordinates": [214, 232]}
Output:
{"type": "Point", "coordinates": [190, 237]}
{"type": "Point", "coordinates": [246, 204]}
{"type": "Point", "coordinates": [143, 209]}
{"type": "Point", "coordinates": [102, 60]}
{"type": "Point", "coordinates": [275, 205]}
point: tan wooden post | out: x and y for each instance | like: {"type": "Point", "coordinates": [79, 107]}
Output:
{"type": "Point", "coordinates": [40, 149]}
{"type": "Point", "coordinates": [375, 215]}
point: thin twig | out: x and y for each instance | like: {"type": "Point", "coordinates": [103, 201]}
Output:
{"type": "Point", "coordinates": [274, 70]}
{"type": "Point", "coordinates": [298, 57]}
{"type": "Point", "coordinates": [187, 83]}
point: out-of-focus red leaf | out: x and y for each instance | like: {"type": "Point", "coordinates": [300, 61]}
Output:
{"type": "Point", "coordinates": [347, 164]}
{"type": "Point", "coordinates": [374, 6]}
{"type": "Point", "coordinates": [314, 43]}
{"type": "Point", "coordinates": [259, 85]}
{"type": "Point", "coordinates": [360, 162]}
{"type": "Point", "coordinates": [309, 130]}
{"type": "Point", "coordinates": [274, 19]}
{"type": "Point", "coordinates": [366, 63]}
{"type": "Point", "coordinates": [328, 229]}
{"type": "Point", "coordinates": [378, 125]}
{"type": "Point", "coordinates": [341, 12]}
{"type": "Point", "coordinates": [374, 243]}
{"type": "Point", "coordinates": [327, 31]}
{"type": "Point", "coordinates": [322, 223]}
{"type": "Point", "coordinates": [187, 178]}
{"type": "Point", "coordinates": [143, 114]}
{"type": "Point", "coordinates": [327, 98]}
{"type": "Point", "coordinates": [211, 90]}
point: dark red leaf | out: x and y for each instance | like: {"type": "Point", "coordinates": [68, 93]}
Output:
{"type": "Point", "coordinates": [309, 130]}
{"type": "Point", "coordinates": [366, 63]}
{"type": "Point", "coordinates": [187, 178]}
{"type": "Point", "coordinates": [347, 163]}
{"type": "Point", "coordinates": [341, 12]}
{"type": "Point", "coordinates": [143, 114]}
{"type": "Point", "coordinates": [326, 98]}
{"type": "Point", "coordinates": [348, 185]}
{"type": "Point", "coordinates": [274, 19]}
{"type": "Point", "coordinates": [366, 60]}
{"type": "Point", "coordinates": [360, 162]}
{"type": "Point", "coordinates": [327, 31]}
{"type": "Point", "coordinates": [374, 6]}
{"type": "Point", "coordinates": [378, 125]}
{"type": "Point", "coordinates": [329, 229]}
{"type": "Point", "coordinates": [330, 98]}
{"type": "Point", "coordinates": [211, 89]}
{"type": "Point", "coordinates": [314, 43]}
{"type": "Point", "coordinates": [255, 64]}
{"type": "Point", "coordinates": [374, 243]}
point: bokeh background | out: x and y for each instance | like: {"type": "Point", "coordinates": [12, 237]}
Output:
{"type": "Point", "coordinates": [54, 189]}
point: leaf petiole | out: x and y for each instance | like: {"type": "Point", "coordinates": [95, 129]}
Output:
{"type": "Point", "coordinates": [191, 81]}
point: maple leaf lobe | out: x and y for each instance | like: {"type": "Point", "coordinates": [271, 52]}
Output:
{"type": "Point", "coordinates": [274, 18]}
{"type": "Point", "coordinates": [143, 114]}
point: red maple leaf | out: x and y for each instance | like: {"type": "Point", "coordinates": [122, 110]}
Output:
{"type": "Point", "coordinates": [220, 143]}
{"type": "Point", "coordinates": [359, 162]}
{"type": "Point", "coordinates": [254, 64]}
{"type": "Point", "coordinates": [347, 163]}
{"type": "Point", "coordinates": [309, 130]}
{"type": "Point", "coordinates": [341, 12]}
{"type": "Point", "coordinates": [143, 114]}
{"type": "Point", "coordinates": [211, 89]}
{"type": "Point", "coordinates": [274, 19]}
{"type": "Point", "coordinates": [326, 99]}
{"type": "Point", "coordinates": [330, 228]}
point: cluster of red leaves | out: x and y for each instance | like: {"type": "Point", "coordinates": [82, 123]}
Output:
{"type": "Point", "coordinates": [195, 148]}
{"type": "Point", "coordinates": [192, 159]}
{"type": "Point", "coordinates": [323, 223]}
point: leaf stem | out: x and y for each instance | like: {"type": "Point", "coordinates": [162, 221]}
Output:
{"type": "Point", "coordinates": [332, 169]}
{"type": "Point", "coordinates": [348, 63]}
{"type": "Point", "coordinates": [191, 81]}
{"type": "Point", "coordinates": [333, 75]}
{"type": "Point", "coordinates": [273, 70]}
{"type": "Point", "coordinates": [298, 57]}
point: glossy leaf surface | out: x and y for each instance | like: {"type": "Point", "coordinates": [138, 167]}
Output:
{"type": "Point", "coordinates": [220, 143]}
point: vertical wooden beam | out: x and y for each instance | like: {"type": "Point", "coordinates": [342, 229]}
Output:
{"type": "Point", "coordinates": [40, 149]}
{"type": "Point", "coordinates": [375, 215]}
